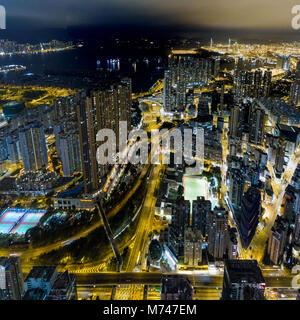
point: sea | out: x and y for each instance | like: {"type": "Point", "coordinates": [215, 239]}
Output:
{"type": "Point", "coordinates": [76, 64]}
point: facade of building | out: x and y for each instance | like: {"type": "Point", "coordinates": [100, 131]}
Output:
{"type": "Point", "coordinates": [98, 110]}
{"type": "Point", "coordinates": [250, 212]}
{"type": "Point", "coordinates": [11, 279]}
{"type": "Point", "coordinates": [70, 153]}
{"type": "Point", "coordinates": [256, 126]}
{"type": "Point", "coordinates": [218, 233]}
{"type": "Point", "coordinates": [278, 240]}
{"type": "Point", "coordinates": [33, 146]}
{"type": "Point", "coordinates": [200, 215]}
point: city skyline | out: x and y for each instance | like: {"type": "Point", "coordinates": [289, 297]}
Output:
{"type": "Point", "coordinates": [190, 19]}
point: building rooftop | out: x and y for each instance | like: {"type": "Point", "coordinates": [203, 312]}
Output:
{"type": "Point", "coordinates": [244, 271]}
{"type": "Point", "coordinates": [41, 272]}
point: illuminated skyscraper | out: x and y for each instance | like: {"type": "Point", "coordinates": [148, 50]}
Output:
{"type": "Point", "coordinates": [256, 125]}
{"type": "Point", "coordinates": [70, 153]}
{"type": "Point", "coordinates": [218, 233]}
{"type": "Point", "coordinates": [236, 117]}
{"type": "Point", "coordinates": [88, 147]}
{"type": "Point", "coordinates": [258, 75]}
{"type": "Point", "coordinates": [181, 85]}
{"type": "Point", "coordinates": [267, 82]}
{"type": "Point", "coordinates": [294, 97]}
{"type": "Point", "coordinates": [98, 110]}
{"type": "Point", "coordinates": [283, 63]}
{"type": "Point", "coordinates": [167, 91]}
{"type": "Point", "coordinates": [33, 146]}
{"type": "Point", "coordinates": [278, 239]}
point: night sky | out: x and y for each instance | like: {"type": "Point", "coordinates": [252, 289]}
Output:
{"type": "Point", "coordinates": [179, 17]}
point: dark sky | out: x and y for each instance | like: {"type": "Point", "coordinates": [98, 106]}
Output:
{"type": "Point", "coordinates": [183, 17]}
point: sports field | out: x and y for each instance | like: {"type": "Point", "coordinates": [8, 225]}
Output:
{"type": "Point", "coordinates": [18, 221]}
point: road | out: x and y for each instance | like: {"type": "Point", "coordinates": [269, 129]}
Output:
{"type": "Point", "coordinates": [145, 222]}
{"type": "Point", "coordinates": [151, 278]}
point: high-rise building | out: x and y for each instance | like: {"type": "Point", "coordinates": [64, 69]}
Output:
{"type": "Point", "coordinates": [250, 212]}
{"type": "Point", "coordinates": [294, 97]}
{"type": "Point", "coordinates": [200, 215]}
{"type": "Point", "coordinates": [297, 73]}
{"type": "Point", "coordinates": [236, 187]}
{"type": "Point", "coordinates": [267, 82]}
{"type": "Point", "coordinates": [70, 152]}
{"type": "Point", "coordinates": [192, 247]}
{"type": "Point", "coordinates": [256, 126]}
{"type": "Point", "coordinates": [11, 279]}
{"type": "Point", "coordinates": [296, 232]}
{"type": "Point", "coordinates": [181, 85]}
{"type": "Point", "coordinates": [243, 280]}
{"type": "Point", "coordinates": [181, 215]}
{"type": "Point", "coordinates": [167, 93]}
{"type": "Point", "coordinates": [14, 148]}
{"type": "Point", "coordinates": [258, 76]}
{"type": "Point", "coordinates": [184, 72]}
{"type": "Point", "coordinates": [215, 99]}
{"type": "Point", "coordinates": [217, 66]}
{"type": "Point", "coordinates": [88, 147]}
{"type": "Point", "coordinates": [248, 82]}
{"type": "Point", "coordinates": [180, 222]}
{"type": "Point", "coordinates": [98, 110]}
{"type": "Point", "coordinates": [3, 149]}
{"type": "Point", "coordinates": [222, 96]}
{"type": "Point", "coordinates": [238, 82]}
{"type": "Point", "coordinates": [218, 233]}
{"type": "Point", "coordinates": [174, 287]}
{"type": "Point", "coordinates": [236, 117]}
{"type": "Point", "coordinates": [280, 154]}
{"type": "Point", "coordinates": [283, 63]}
{"type": "Point", "coordinates": [33, 146]}
{"type": "Point", "coordinates": [278, 239]}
